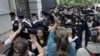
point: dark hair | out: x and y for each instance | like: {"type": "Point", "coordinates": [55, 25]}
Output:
{"type": "Point", "coordinates": [45, 34]}
{"type": "Point", "coordinates": [40, 28]}
{"type": "Point", "coordinates": [12, 14]}
{"type": "Point", "coordinates": [21, 17]}
{"type": "Point", "coordinates": [20, 47]}
{"type": "Point", "coordinates": [89, 19]}
{"type": "Point", "coordinates": [44, 13]}
{"type": "Point", "coordinates": [61, 19]}
{"type": "Point", "coordinates": [34, 14]}
{"type": "Point", "coordinates": [76, 16]}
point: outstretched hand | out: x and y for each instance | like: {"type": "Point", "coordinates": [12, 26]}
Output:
{"type": "Point", "coordinates": [19, 28]}
{"type": "Point", "coordinates": [98, 27]}
{"type": "Point", "coordinates": [33, 38]}
{"type": "Point", "coordinates": [53, 28]}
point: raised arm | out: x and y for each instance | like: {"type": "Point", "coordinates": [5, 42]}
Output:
{"type": "Point", "coordinates": [34, 41]}
{"type": "Point", "coordinates": [72, 40]}
{"type": "Point", "coordinates": [11, 38]}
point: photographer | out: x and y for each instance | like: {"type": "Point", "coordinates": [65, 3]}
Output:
{"type": "Point", "coordinates": [93, 46]}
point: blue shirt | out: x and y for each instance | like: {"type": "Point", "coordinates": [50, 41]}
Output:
{"type": "Point", "coordinates": [52, 46]}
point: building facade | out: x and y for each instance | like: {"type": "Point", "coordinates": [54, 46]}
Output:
{"type": "Point", "coordinates": [30, 6]}
{"type": "Point", "coordinates": [5, 19]}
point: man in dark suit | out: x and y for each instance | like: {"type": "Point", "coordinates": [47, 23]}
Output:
{"type": "Point", "coordinates": [34, 20]}
{"type": "Point", "coordinates": [14, 21]}
{"type": "Point", "coordinates": [27, 27]}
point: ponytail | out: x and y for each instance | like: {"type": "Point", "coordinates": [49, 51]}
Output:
{"type": "Point", "coordinates": [62, 42]}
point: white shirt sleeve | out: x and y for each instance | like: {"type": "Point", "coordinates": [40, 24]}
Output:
{"type": "Point", "coordinates": [8, 41]}
{"type": "Point", "coordinates": [30, 53]}
{"type": "Point", "coordinates": [71, 40]}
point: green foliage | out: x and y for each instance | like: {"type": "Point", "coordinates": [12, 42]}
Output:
{"type": "Point", "coordinates": [78, 2]}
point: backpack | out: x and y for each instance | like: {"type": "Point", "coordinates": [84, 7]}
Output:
{"type": "Point", "coordinates": [93, 54]}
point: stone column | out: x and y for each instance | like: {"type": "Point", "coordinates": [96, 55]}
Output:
{"type": "Point", "coordinates": [39, 7]}
{"type": "Point", "coordinates": [5, 20]}
{"type": "Point", "coordinates": [35, 6]}
{"type": "Point", "coordinates": [12, 5]}
{"type": "Point", "coordinates": [58, 2]}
